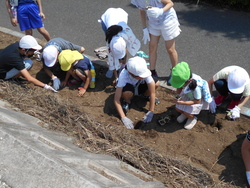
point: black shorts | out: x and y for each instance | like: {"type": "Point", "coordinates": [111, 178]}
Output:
{"type": "Point", "coordinates": [142, 88]}
{"type": "Point", "coordinates": [248, 136]}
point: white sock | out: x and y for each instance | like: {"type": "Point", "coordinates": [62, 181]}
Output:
{"type": "Point", "coordinates": [248, 176]}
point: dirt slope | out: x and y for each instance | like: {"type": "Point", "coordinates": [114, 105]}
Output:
{"type": "Point", "coordinates": [207, 155]}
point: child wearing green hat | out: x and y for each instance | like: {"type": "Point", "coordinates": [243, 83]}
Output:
{"type": "Point", "coordinates": [194, 94]}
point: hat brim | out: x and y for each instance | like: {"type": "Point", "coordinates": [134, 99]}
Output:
{"type": "Point", "coordinates": [50, 63]}
{"type": "Point", "coordinates": [146, 74]}
{"type": "Point", "coordinates": [38, 47]}
{"type": "Point", "coordinates": [176, 84]}
{"type": "Point", "coordinates": [236, 90]}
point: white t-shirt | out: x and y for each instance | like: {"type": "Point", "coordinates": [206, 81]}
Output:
{"type": "Point", "coordinates": [223, 74]}
{"type": "Point", "coordinates": [114, 16]}
{"type": "Point", "coordinates": [163, 19]}
{"type": "Point", "coordinates": [126, 78]}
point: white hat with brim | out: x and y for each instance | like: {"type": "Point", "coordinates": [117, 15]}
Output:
{"type": "Point", "coordinates": [138, 67]}
{"type": "Point", "coordinates": [29, 42]}
{"type": "Point", "coordinates": [50, 54]}
{"type": "Point", "coordinates": [237, 80]}
{"type": "Point", "coordinates": [118, 47]}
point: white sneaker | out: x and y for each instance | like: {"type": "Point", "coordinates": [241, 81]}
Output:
{"type": "Point", "coordinates": [181, 118]}
{"type": "Point", "coordinates": [190, 123]}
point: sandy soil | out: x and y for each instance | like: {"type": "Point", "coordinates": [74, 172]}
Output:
{"type": "Point", "coordinates": [207, 155]}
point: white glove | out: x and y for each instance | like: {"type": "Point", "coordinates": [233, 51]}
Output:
{"type": "Point", "coordinates": [148, 117]}
{"type": "Point", "coordinates": [56, 83]}
{"type": "Point", "coordinates": [235, 112]}
{"type": "Point", "coordinates": [212, 106]}
{"type": "Point", "coordinates": [50, 88]}
{"type": "Point", "coordinates": [154, 12]}
{"type": "Point", "coordinates": [128, 123]}
{"type": "Point", "coordinates": [145, 37]}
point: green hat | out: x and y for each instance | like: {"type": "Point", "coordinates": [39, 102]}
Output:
{"type": "Point", "coordinates": [180, 74]}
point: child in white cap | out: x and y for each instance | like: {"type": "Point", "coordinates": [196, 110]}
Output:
{"type": "Point", "coordinates": [15, 62]}
{"type": "Point", "coordinates": [119, 38]}
{"type": "Point", "coordinates": [135, 79]}
{"type": "Point", "coordinates": [231, 81]}
{"type": "Point", "coordinates": [50, 57]}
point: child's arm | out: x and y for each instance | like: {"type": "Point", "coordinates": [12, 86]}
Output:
{"type": "Point", "coordinates": [40, 9]}
{"type": "Point", "coordinates": [64, 83]}
{"type": "Point", "coordinates": [13, 20]}
{"type": "Point", "coordinates": [116, 76]}
{"type": "Point", "coordinates": [195, 101]}
{"type": "Point", "coordinates": [83, 90]}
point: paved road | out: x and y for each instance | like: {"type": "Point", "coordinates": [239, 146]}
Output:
{"type": "Point", "coordinates": [210, 40]}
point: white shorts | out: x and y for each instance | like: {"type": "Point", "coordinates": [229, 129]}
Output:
{"type": "Point", "coordinates": [169, 31]}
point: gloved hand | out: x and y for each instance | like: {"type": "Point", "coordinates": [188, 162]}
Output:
{"type": "Point", "coordinates": [212, 106]}
{"type": "Point", "coordinates": [235, 113]}
{"type": "Point", "coordinates": [148, 117]}
{"type": "Point", "coordinates": [145, 37]}
{"type": "Point", "coordinates": [155, 12]}
{"type": "Point", "coordinates": [128, 123]}
{"type": "Point", "coordinates": [50, 88]}
{"type": "Point", "coordinates": [56, 83]}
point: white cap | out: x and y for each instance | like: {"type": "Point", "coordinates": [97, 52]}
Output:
{"type": "Point", "coordinates": [237, 80]}
{"type": "Point", "coordinates": [118, 47]}
{"type": "Point", "coordinates": [138, 67]}
{"type": "Point", "coordinates": [29, 42]}
{"type": "Point", "coordinates": [50, 55]}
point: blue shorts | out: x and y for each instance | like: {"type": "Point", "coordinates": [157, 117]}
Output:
{"type": "Point", "coordinates": [13, 72]}
{"type": "Point", "coordinates": [28, 16]}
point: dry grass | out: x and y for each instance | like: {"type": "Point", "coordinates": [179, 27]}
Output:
{"type": "Point", "coordinates": [95, 137]}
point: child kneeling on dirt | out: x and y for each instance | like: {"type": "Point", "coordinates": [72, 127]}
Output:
{"type": "Point", "coordinates": [192, 94]}
{"type": "Point", "coordinates": [135, 79]}
{"type": "Point", "coordinates": [78, 66]}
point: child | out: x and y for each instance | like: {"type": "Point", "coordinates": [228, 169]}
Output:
{"type": "Point", "coordinates": [158, 18]}
{"type": "Point", "coordinates": [231, 81]}
{"type": "Point", "coordinates": [119, 38]}
{"type": "Point", "coordinates": [50, 57]}
{"type": "Point", "coordinates": [78, 66]}
{"type": "Point", "coordinates": [193, 94]}
{"type": "Point", "coordinates": [135, 79]}
{"type": "Point", "coordinates": [29, 16]}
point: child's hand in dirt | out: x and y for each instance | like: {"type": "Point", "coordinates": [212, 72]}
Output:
{"type": "Point", "coordinates": [81, 92]}
{"type": "Point", "coordinates": [64, 83]}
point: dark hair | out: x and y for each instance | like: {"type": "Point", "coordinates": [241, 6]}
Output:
{"type": "Point", "coordinates": [112, 31]}
{"type": "Point", "coordinates": [193, 83]}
